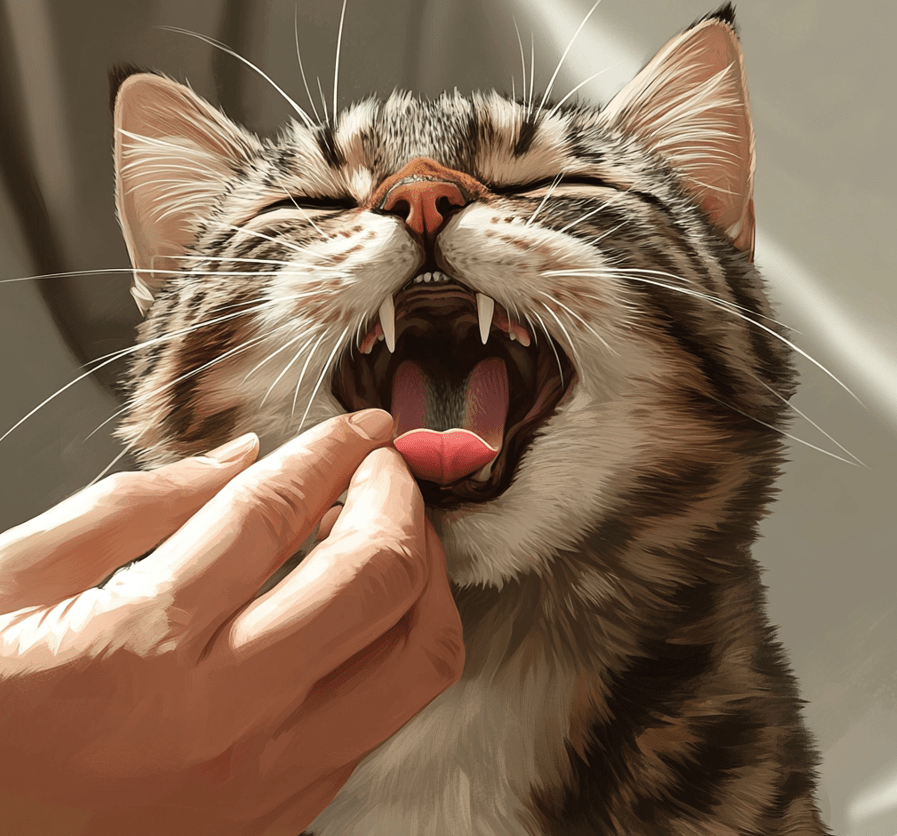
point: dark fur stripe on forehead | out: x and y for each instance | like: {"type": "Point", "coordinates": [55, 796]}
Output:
{"type": "Point", "coordinates": [526, 136]}
{"type": "Point", "coordinates": [329, 150]}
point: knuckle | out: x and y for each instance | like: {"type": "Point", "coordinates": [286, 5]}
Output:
{"type": "Point", "coordinates": [165, 483]}
{"type": "Point", "coordinates": [121, 488]}
{"type": "Point", "coordinates": [397, 561]}
{"type": "Point", "coordinates": [276, 507]}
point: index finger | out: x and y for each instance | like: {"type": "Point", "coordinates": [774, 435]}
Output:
{"type": "Point", "coordinates": [350, 589]}
{"type": "Point", "coordinates": [220, 558]}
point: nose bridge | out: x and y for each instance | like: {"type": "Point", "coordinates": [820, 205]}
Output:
{"type": "Point", "coordinates": [423, 192]}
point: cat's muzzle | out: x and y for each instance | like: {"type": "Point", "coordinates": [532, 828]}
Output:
{"type": "Point", "coordinates": [457, 393]}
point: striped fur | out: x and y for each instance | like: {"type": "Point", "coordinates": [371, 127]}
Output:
{"type": "Point", "coordinates": [622, 677]}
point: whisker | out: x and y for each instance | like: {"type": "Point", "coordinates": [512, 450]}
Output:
{"type": "Point", "coordinates": [807, 418]}
{"type": "Point", "coordinates": [522, 57]}
{"type": "Point", "coordinates": [551, 343]}
{"type": "Point", "coordinates": [581, 84]}
{"type": "Point", "coordinates": [339, 42]}
{"type": "Point", "coordinates": [785, 434]}
{"type": "Point", "coordinates": [68, 274]}
{"type": "Point", "coordinates": [532, 74]}
{"type": "Point", "coordinates": [311, 101]}
{"type": "Point", "coordinates": [532, 328]}
{"type": "Point", "coordinates": [132, 402]}
{"type": "Point", "coordinates": [255, 308]}
{"type": "Point", "coordinates": [218, 45]}
{"type": "Point", "coordinates": [280, 241]}
{"type": "Point", "coordinates": [640, 271]}
{"type": "Point", "coordinates": [584, 323]}
{"type": "Point", "coordinates": [323, 102]}
{"type": "Point", "coordinates": [548, 194]}
{"type": "Point", "coordinates": [730, 307]}
{"type": "Point", "coordinates": [52, 397]}
{"type": "Point", "coordinates": [323, 374]}
{"type": "Point", "coordinates": [579, 363]}
{"type": "Point", "coordinates": [118, 355]}
{"type": "Point", "coordinates": [304, 369]}
{"type": "Point", "coordinates": [599, 238]}
{"type": "Point", "coordinates": [564, 57]}
{"type": "Point", "coordinates": [592, 212]}
{"type": "Point", "coordinates": [273, 354]}
{"type": "Point", "coordinates": [358, 328]}
{"type": "Point", "coordinates": [289, 365]}
{"type": "Point", "coordinates": [108, 467]}
{"type": "Point", "coordinates": [305, 214]}
{"type": "Point", "coordinates": [234, 258]}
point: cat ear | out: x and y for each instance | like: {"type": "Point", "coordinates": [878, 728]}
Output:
{"type": "Point", "coordinates": [174, 154]}
{"type": "Point", "coordinates": [690, 105]}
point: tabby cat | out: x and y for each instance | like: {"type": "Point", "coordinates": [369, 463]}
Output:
{"type": "Point", "coordinates": [557, 303]}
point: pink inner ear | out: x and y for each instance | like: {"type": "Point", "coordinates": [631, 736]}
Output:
{"type": "Point", "coordinates": [173, 153]}
{"type": "Point", "coordinates": [690, 105]}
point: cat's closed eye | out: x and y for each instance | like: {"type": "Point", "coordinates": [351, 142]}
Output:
{"type": "Point", "coordinates": [555, 185]}
{"type": "Point", "coordinates": [300, 201]}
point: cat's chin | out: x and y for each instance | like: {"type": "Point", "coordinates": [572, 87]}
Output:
{"type": "Point", "coordinates": [448, 371]}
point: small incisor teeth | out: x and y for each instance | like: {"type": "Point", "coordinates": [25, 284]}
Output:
{"type": "Point", "coordinates": [388, 322]}
{"type": "Point", "coordinates": [485, 309]}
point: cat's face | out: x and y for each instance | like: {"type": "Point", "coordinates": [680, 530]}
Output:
{"type": "Point", "coordinates": [568, 287]}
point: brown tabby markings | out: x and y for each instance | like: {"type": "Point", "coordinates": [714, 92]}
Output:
{"type": "Point", "coordinates": [621, 678]}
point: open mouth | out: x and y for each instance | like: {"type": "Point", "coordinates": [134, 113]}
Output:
{"type": "Point", "coordinates": [467, 386]}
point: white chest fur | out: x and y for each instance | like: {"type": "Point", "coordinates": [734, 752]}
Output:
{"type": "Point", "coordinates": [467, 764]}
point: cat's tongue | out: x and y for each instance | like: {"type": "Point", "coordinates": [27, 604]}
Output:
{"type": "Point", "coordinates": [446, 456]}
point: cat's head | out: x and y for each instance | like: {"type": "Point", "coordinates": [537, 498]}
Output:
{"type": "Point", "coordinates": [570, 286]}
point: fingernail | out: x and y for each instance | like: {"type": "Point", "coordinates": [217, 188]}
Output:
{"type": "Point", "coordinates": [234, 450]}
{"type": "Point", "coordinates": [375, 424]}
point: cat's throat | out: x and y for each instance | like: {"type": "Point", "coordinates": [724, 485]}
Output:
{"type": "Point", "coordinates": [466, 398]}
{"type": "Point", "coordinates": [446, 432]}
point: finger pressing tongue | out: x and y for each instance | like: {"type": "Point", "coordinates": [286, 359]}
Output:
{"type": "Point", "coordinates": [449, 455]}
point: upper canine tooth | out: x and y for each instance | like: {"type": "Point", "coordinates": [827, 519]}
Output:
{"type": "Point", "coordinates": [388, 322]}
{"type": "Point", "coordinates": [485, 309]}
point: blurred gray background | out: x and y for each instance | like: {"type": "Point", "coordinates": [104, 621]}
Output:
{"type": "Point", "coordinates": [822, 78]}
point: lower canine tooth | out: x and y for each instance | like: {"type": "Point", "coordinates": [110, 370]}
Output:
{"type": "Point", "coordinates": [388, 322]}
{"type": "Point", "coordinates": [485, 309]}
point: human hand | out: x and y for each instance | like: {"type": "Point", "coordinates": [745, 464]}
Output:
{"type": "Point", "coordinates": [173, 701]}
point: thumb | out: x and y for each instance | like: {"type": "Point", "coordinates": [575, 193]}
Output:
{"type": "Point", "coordinates": [77, 543]}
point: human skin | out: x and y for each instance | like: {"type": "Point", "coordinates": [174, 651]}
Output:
{"type": "Point", "coordinates": [174, 700]}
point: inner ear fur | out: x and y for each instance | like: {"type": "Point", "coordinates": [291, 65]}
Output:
{"type": "Point", "coordinates": [174, 154]}
{"type": "Point", "coordinates": [690, 105]}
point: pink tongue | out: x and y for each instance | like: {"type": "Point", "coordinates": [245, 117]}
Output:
{"type": "Point", "coordinates": [444, 457]}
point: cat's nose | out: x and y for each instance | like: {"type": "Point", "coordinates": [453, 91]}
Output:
{"type": "Point", "coordinates": [424, 194]}
{"type": "Point", "coordinates": [424, 205]}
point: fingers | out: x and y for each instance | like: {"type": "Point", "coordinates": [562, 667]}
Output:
{"type": "Point", "coordinates": [327, 521]}
{"type": "Point", "coordinates": [76, 544]}
{"type": "Point", "coordinates": [350, 590]}
{"type": "Point", "coordinates": [370, 697]}
{"type": "Point", "coordinates": [222, 556]}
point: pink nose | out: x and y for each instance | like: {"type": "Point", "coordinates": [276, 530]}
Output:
{"type": "Point", "coordinates": [423, 204]}
{"type": "Point", "coordinates": [423, 193]}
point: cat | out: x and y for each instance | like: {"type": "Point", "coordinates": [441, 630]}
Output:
{"type": "Point", "coordinates": [557, 303]}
